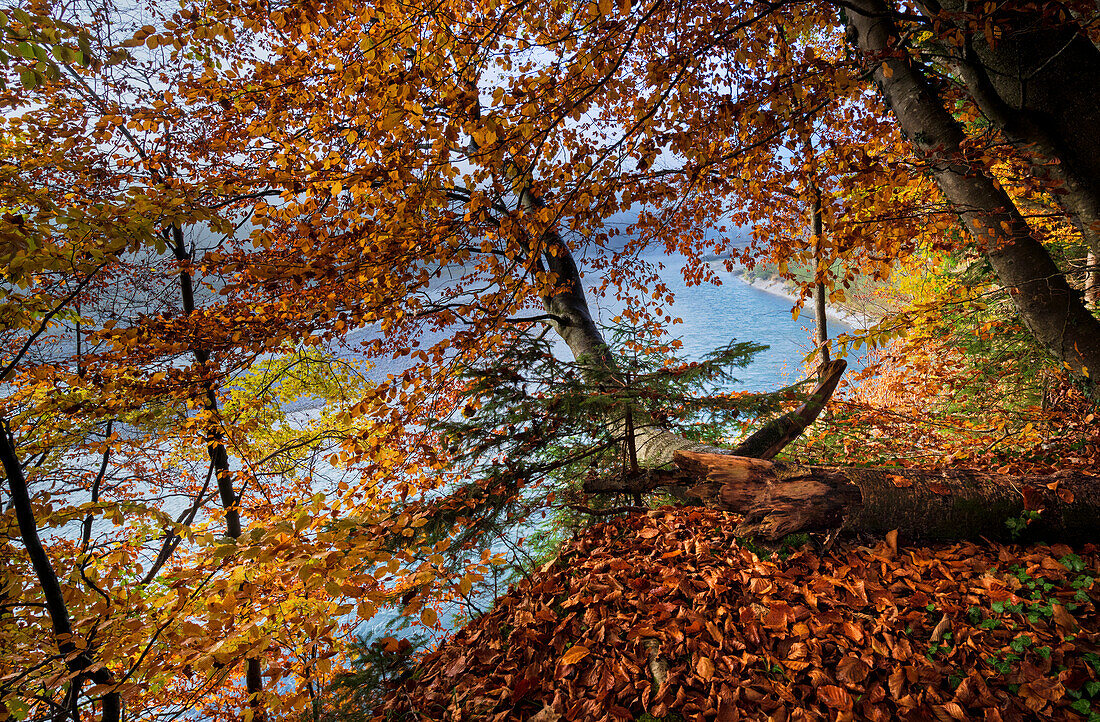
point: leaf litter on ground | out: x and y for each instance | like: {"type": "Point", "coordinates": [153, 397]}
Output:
{"type": "Point", "coordinates": [882, 632]}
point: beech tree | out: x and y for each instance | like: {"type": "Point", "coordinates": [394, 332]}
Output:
{"type": "Point", "coordinates": [433, 183]}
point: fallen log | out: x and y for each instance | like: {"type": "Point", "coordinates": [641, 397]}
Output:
{"type": "Point", "coordinates": [765, 443]}
{"type": "Point", "coordinates": [777, 499]}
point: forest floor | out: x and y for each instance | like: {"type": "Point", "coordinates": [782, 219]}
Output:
{"type": "Point", "coordinates": [667, 616]}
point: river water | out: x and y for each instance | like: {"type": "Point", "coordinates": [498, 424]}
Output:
{"type": "Point", "coordinates": [713, 316]}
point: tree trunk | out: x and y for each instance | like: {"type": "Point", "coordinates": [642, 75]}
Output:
{"type": "Point", "coordinates": [779, 499]}
{"type": "Point", "coordinates": [77, 652]}
{"type": "Point", "coordinates": [818, 229]}
{"type": "Point", "coordinates": [1045, 72]}
{"type": "Point", "coordinates": [1047, 305]}
{"type": "Point", "coordinates": [219, 461]}
{"type": "Point", "coordinates": [1092, 279]}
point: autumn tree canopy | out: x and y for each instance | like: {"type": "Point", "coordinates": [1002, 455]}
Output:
{"type": "Point", "coordinates": [201, 203]}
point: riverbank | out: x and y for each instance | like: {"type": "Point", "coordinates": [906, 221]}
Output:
{"type": "Point", "coordinates": [859, 321]}
{"type": "Point", "coordinates": [785, 289]}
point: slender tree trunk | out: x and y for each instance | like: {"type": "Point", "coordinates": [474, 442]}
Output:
{"type": "Point", "coordinates": [818, 229]}
{"type": "Point", "coordinates": [79, 658]}
{"type": "Point", "coordinates": [1092, 279]}
{"type": "Point", "coordinates": [215, 445]}
{"type": "Point", "coordinates": [1047, 305]}
{"type": "Point", "coordinates": [219, 460]}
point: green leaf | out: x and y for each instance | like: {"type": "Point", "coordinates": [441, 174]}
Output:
{"type": "Point", "coordinates": [63, 53]}
{"type": "Point", "coordinates": [18, 708]}
{"type": "Point", "coordinates": [28, 79]}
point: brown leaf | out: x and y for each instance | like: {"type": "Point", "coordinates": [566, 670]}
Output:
{"type": "Point", "coordinates": [715, 634]}
{"type": "Point", "coordinates": [1044, 688]}
{"type": "Point", "coordinates": [941, 629]}
{"type": "Point", "coordinates": [852, 631]}
{"type": "Point", "coordinates": [897, 683]}
{"type": "Point", "coordinates": [937, 487]}
{"type": "Point", "coordinates": [546, 714]}
{"type": "Point", "coordinates": [950, 711]}
{"type": "Point", "coordinates": [1033, 498]}
{"type": "Point", "coordinates": [1062, 618]}
{"type": "Point", "coordinates": [835, 697]}
{"type": "Point", "coordinates": [1065, 495]}
{"type": "Point", "coordinates": [776, 617]}
{"type": "Point", "coordinates": [899, 481]}
{"type": "Point", "coordinates": [852, 670]}
{"type": "Point", "coordinates": [892, 540]}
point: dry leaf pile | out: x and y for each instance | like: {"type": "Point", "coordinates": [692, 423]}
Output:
{"type": "Point", "coordinates": [956, 632]}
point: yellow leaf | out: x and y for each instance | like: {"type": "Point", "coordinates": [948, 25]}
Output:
{"type": "Point", "coordinates": [575, 654]}
{"type": "Point", "coordinates": [429, 617]}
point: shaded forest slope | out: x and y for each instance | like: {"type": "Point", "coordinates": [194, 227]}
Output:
{"type": "Point", "coordinates": [946, 632]}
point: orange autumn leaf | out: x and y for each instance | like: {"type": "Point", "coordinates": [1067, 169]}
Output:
{"type": "Point", "coordinates": [574, 654]}
{"type": "Point", "coordinates": [704, 667]}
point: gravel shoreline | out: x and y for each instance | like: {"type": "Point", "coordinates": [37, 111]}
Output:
{"type": "Point", "coordinates": [857, 321]}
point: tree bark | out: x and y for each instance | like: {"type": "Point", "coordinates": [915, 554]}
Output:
{"type": "Point", "coordinates": [779, 499]}
{"type": "Point", "coordinates": [1047, 305]}
{"type": "Point", "coordinates": [79, 657]}
{"type": "Point", "coordinates": [1045, 72]}
{"type": "Point", "coordinates": [777, 434]}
